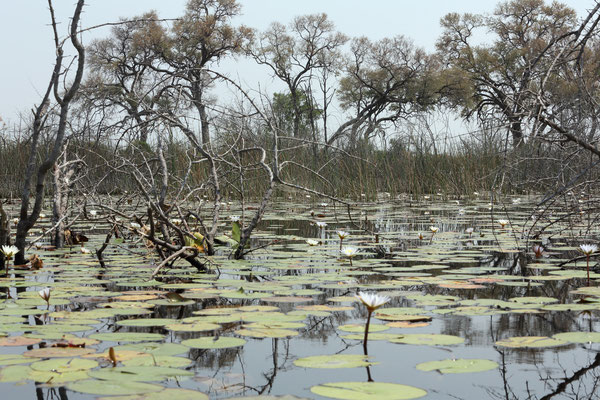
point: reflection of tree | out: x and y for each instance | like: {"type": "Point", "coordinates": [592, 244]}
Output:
{"type": "Point", "coordinates": [52, 393]}
{"type": "Point", "coordinates": [582, 391]}
{"type": "Point", "coordinates": [270, 375]}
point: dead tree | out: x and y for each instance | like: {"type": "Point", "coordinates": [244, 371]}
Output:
{"type": "Point", "coordinates": [29, 215]}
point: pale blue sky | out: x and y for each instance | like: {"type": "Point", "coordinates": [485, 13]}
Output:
{"type": "Point", "coordinates": [27, 50]}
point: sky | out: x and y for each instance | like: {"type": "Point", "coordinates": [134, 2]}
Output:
{"type": "Point", "coordinates": [28, 52]}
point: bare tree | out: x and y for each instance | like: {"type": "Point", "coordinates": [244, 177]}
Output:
{"type": "Point", "coordinates": [29, 215]}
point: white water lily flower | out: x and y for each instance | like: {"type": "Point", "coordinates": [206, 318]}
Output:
{"type": "Point", "coordinates": [135, 225]}
{"type": "Point", "coordinates": [343, 234]}
{"type": "Point", "coordinates": [312, 242]}
{"type": "Point", "coordinates": [234, 218]}
{"type": "Point", "coordinates": [321, 224]}
{"type": "Point", "coordinates": [434, 229]}
{"type": "Point", "coordinates": [503, 222]}
{"type": "Point", "coordinates": [324, 204]}
{"type": "Point", "coordinates": [469, 231]}
{"type": "Point", "coordinates": [9, 251]}
{"type": "Point", "coordinates": [176, 221]}
{"type": "Point", "coordinates": [372, 300]}
{"type": "Point", "coordinates": [93, 213]}
{"type": "Point", "coordinates": [349, 251]}
{"type": "Point", "coordinates": [15, 221]}
{"type": "Point", "coordinates": [85, 250]}
{"type": "Point", "coordinates": [588, 249]}
{"type": "Point", "coordinates": [42, 215]}
{"type": "Point", "coordinates": [45, 294]}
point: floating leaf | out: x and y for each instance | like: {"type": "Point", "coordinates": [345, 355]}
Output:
{"type": "Point", "coordinates": [430, 339]}
{"type": "Point", "coordinates": [126, 336]}
{"type": "Point", "coordinates": [213, 342]}
{"type": "Point", "coordinates": [334, 361]}
{"type": "Point", "coordinates": [266, 333]}
{"type": "Point", "coordinates": [530, 341]}
{"type": "Point", "coordinates": [368, 391]}
{"type": "Point", "coordinates": [578, 337]}
{"type": "Point", "coordinates": [458, 366]}
{"type": "Point", "coordinates": [102, 387]}
{"type": "Point", "coordinates": [18, 341]}
{"type": "Point", "coordinates": [169, 393]}
{"type": "Point", "coordinates": [64, 365]}
{"type": "Point", "coordinates": [139, 373]}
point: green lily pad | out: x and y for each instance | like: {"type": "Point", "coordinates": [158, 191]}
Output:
{"type": "Point", "coordinates": [57, 378]}
{"type": "Point", "coordinates": [357, 328]}
{"type": "Point", "coordinates": [15, 373]}
{"type": "Point", "coordinates": [368, 391]}
{"type": "Point", "coordinates": [157, 349]}
{"type": "Point", "coordinates": [458, 366]}
{"type": "Point", "coordinates": [193, 327]}
{"type": "Point", "coordinates": [64, 365]}
{"type": "Point", "coordinates": [127, 336]}
{"type": "Point", "coordinates": [267, 333]}
{"type": "Point", "coordinates": [146, 322]}
{"type": "Point", "coordinates": [169, 393]}
{"type": "Point", "coordinates": [14, 359]}
{"type": "Point", "coordinates": [139, 373]}
{"type": "Point", "coordinates": [530, 341]}
{"type": "Point", "coordinates": [578, 337]}
{"type": "Point", "coordinates": [212, 342]}
{"type": "Point", "coordinates": [102, 387]}
{"type": "Point", "coordinates": [334, 361]}
{"type": "Point", "coordinates": [430, 339]}
{"type": "Point", "coordinates": [157, 361]}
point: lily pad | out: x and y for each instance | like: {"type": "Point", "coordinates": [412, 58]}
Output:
{"type": "Point", "coordinates": [458, 366]}
{"type": "Point", "coordinates": [127, 336]}
{"type": "Point", "coordinates": [578, 337]}
{"type": "Point", "coordinates": [430, 339]}
{"type": "Point", "coordinates": [101, 387]}
{"type": "Point", "coordinates": [368, 391]}
{"type": "Point", "coordinates": [334, 361]}
{"type": "Point", "coordinates": [169, 393]}
{"type": "Point", "coordinates": [530, 341]}
{"type": "Point", "coordinates": [212, 342]}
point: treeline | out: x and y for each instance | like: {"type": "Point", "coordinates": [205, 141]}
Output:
{"type": "Point", "coordinates": [351, 117]}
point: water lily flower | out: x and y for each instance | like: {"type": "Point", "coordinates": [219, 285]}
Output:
{"type": "Point", "coordinates": [538, 250]}
{"type": "Point", "coordinates": [372, 301]}
{"type": "Point", "coordinates": [15, 221]}
{"type": "Point", "coordinates": [420, 236]}
{"type": "Point", "coordinates": [93, 213]}
{"type": "Point", "coordinates": [469, 231]}
{"type": "Point", "coordinates": [350, 252]}
{"type": "Point", "coordinates": [342, 235]}
{"type": "Point", "coordinates": [234, 218]}
{"type": "Point", "coordinates": [324, 204]}
{"type": "Point", "coordinates": [85, 250]}
{"type": "Point", "coordinates": [503, 222]}
{"type": "Point", "coordinates": [434, 229]}
{"type": "Point", "coordinates": [176, 221]}
{"type": "Point", "coordinates": [135, 225]}
{"type": "Point", "coordinates": [9, 251]}
{"type": "Point", "coordinates": [588, 249]}
{"type": "Point", "coordinates": [312, 242]}
{"type": "Point", "coordinates": [321, 224]}
{"type": "Point", "coordinates": [45, 295]}
{"type": "Point", "coordinates": [42, 215]}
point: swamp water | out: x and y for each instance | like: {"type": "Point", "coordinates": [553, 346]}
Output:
{"type": "Point", "coordinates": [469, 318]}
